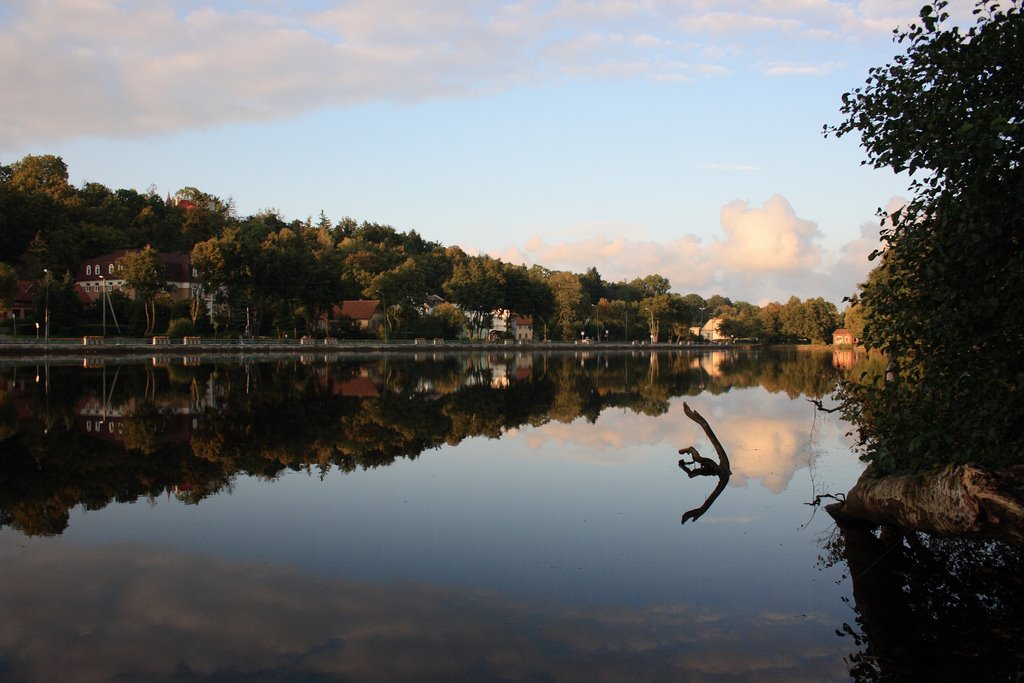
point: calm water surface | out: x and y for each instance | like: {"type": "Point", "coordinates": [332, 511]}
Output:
{"type": "Point", "coordinates": [438, 517]}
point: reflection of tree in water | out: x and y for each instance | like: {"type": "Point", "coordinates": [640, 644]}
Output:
{"type": "Point", "coordinates": [932, 609]}
{"type": "Point", "coordinates": [195, 428]}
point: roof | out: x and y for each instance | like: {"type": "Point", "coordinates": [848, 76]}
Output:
{"type": "Point", "coordinates": [360, 309]}
{"type": "Point", "coordinates": [23, 294]}
{"type": "Point", "coordinates": [178, 265]}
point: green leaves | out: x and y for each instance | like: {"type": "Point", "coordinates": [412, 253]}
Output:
{"type": "Point", "coordinates": [947, 300]}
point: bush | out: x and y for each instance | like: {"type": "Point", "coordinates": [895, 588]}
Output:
{"type": "Point", "coordinates": [181, 327]}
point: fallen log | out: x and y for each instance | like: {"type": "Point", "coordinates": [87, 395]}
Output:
{"type": "Point", "coordinates": [954, 500]}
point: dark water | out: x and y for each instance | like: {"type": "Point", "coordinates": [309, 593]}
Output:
{"type": "Point", "coordinates": [458, 517]}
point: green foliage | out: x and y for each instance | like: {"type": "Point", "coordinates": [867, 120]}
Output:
{"type": "Point", "coordinates": [8, 287]}
{"type": "Point", "coordinates": [57, 300]}
{"type": "Point", "coordinates": [181, 327]}
{"type": "Point", "coordinates": [263, 274]}
{"type": "Point", "coordinates": [946, 301]}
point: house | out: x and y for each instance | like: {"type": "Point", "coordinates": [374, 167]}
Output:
{"type": "Point", "coordinates": [505, 323]}
{"type": "Point", "coordinates": [523, 327]}
{"type": "Point", "coordinates": [21, 306]}
{"type": "Point", "coordinates": [106, 271]}
{"type": "Point", "coordinates": [842, 336]}
{"type": "Point", "coordinates": [366, 314]}
{"type": "Point", "coordinates": [430, 302]}
{"type": "Point", "coordinates": [712, 330]}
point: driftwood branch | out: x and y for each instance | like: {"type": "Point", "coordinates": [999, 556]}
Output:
{"type": "Point", "coordinates": [699, 466]}
{"type": "Point", "coordinates": [722, 466]}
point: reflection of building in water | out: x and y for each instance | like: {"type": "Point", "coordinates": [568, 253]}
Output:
{"type": "Point", "coordinates": [844, 359]}
{"type": "Point", "coordinates": [366, 383]}
{"type": "Point", "coordinates": [177, 417]}
{"type": "Point", "coordinates": [507, 370]}
{"type": "Point", "coordinates": [20, 390]}
{"type": "Point", "coordinates": [711, 363]}
{"type": "Point", "coordinates": [108, 422]}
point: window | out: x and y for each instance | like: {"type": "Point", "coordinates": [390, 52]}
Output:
{"type": "Point", "coordinates": [195, 272]}
{"type": "Point", "coordinates": [88, 270]}
{"type": "Point", "coordinates": [110, 269]}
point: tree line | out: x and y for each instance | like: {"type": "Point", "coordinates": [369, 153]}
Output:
{"type": "Point", "coordinates": [269, 276]}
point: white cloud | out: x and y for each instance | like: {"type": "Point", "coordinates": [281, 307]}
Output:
{"type": "Point", "coordinates": [794, 69]}
{"type": "Point", "coordinates": [769, 238]}
{"type": "Point", "coordinates": [108, 68]}
{"type": "Point", "coordinates": [767, 253]}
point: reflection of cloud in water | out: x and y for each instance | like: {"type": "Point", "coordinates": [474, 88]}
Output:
{"type": "Point", "coordinates": [156, 615]}
{"type": "Point", "coordinates": [768, 436]}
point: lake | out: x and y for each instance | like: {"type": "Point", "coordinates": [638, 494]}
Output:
{"type": "Point", "coordinates": [488, 516]}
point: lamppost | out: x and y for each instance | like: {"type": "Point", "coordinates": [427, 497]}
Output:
{"type": "Point", "coordinates": [103, 303]}
{"type": "Point", "coordinates": [701, 335]}
{"type": "Point", "coordinates": [46, 315]}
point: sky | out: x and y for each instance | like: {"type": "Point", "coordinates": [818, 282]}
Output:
{"type": "Point", "coordinates": [678, 137]}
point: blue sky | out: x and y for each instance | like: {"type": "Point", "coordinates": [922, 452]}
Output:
{"type": "Point", "coordinates": [681, 137]}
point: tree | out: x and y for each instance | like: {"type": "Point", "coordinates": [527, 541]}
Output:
{"type": "Point", "coordinates": [946, 306]}
{"type": "Point", "coordinates": [477, 285]}
{"type": "Point", "coordinates": [144, 273]}
{"type": "Point", "coordinates": [45, 174]}
{"type": "Point", "coordinates": [8, 287]}
{"type": "Point", "coordinates": [653, 309]}
{"type": "Point", "coordinates": [593, 285]}
{"type": "Point", "coordinates": [570, 302]}
{"type": "Point", "coordinates": [57, 299]}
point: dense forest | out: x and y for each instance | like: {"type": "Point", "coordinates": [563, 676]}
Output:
{"type": "Point", "coordinates": [276, 277]}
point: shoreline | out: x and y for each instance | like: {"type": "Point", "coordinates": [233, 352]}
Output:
{"type": "Point", "coordinates": [79, 349]}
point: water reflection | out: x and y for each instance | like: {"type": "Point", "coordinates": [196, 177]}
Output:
{"type": "Point", "coordinates": [76, 437]}
{"type": "Point", "coordinates": [931, 609]}
{"type": "Point", "coordinates": [475, 517]}
{"type": "Point", "coordinates": [189, 617]}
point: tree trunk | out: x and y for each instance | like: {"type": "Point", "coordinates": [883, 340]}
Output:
{"type": "Point", "coordinates": [956, 500]}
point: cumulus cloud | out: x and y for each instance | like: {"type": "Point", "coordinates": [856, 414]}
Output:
{"type": "Point", "coordinates": [111, 68]}
{"type": "Point", "coordinates": [765, 253]}
{"type": "Point", "coordinates": [769, 238]}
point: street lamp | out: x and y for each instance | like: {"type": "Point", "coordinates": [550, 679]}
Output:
{"type": "Point", "coordinates": [701, 331]}
{"type": "Point", "coordinates": [47, 313]}
{"type": "Point", "coordinates": [103, 303]}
